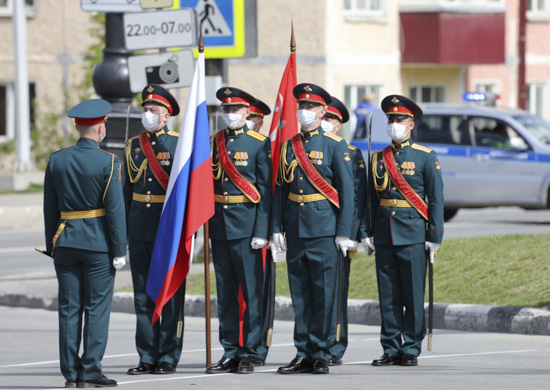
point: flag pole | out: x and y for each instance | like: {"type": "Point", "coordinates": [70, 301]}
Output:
{"type": "Point", "coordinates": [206, 264]}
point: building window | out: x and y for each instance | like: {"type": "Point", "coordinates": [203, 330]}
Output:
{"type": "Point", "coordinates": [6, 7]}
{"type": "Point", "coordinates": [427, 93]}
{"type": "Point", "coordinates": [364, 10]}
{"type": "Point", "coordinates": [536, 99]}
{"type": "Point", "coordinates": [538, 9]}
{"type": "Point", "coordinates": [354, 95]}
{"type": "Point", "coordinates": [7, 109]}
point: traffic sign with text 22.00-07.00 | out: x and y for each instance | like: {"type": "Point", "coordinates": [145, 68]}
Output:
{"type": "Point", "coordinates": [160, 29]}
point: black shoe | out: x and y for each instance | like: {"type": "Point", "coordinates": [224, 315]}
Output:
{"type": "Point", "coordinates": [386, 360]}
{"type": "Point", "coordinates": [259, 362]}
{"type": "Point", "coordinates": [70, 384]}
{"type": "Point", "coordinates": [165, 368]}
{"type": "Point", "coordinates": [335, 361]}
{"type": "Point", "coordinates": [409, 360]}
{"type": "Point", "coordinates": [246, 366]}
{"type": "Point", "coordinates": [102, 381]}
{"type": "Point", "coordinates": [320, 367]}
{"type": "Point", "coordinates": [141, 368]}
{"type": "Point", "coordinates": [298, 365]}
{"type": "Point", "coordinates": [224, 365]}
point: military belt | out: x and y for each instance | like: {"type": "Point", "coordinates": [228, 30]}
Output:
{"type": "Point", "coordinates": [394, 203]}
{"type": "Point", "coordinates": [305, 198]}
{"type": "Point", "coordinates": [83, 214]}
{"type": "Point", "coordinates": [231, 199]}
{"type": "Point", "coordinates": [148, 198]}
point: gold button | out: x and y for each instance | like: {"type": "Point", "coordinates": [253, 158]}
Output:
{"type": "Point", "coordinates": [397, 153]}
{"type": "Point", "coordinates": [150, 179]}
{"type": "Point", "coordinates": [225, 192]}
{"type": "Point", "coordinates": [148, 192]}
{"type": "Point", "coordinates": [393, 188]}
{"type": "Point", "coordinates": [231, 140]}
{"type": "Point", "coordinates": [229, 151]}
{"type": "Point", "coordinates": [148, 205]}
{"type": "Point", "coordinates": [301, 191]}
{"type": "Point", "coordinates": [393, 213]}
{"type": "Point", "coordinates": [301, 178]}
{"type": "Point", "coordinates": [224, 206]}
{"type": "Point", "coordinates": [153, 143]}
{"type": "Point", "coordinates": [306, 141]}
{"type": "Point", "coordinates": [226, 179]}
{"type": "Point", "coordinates": [301, 204]}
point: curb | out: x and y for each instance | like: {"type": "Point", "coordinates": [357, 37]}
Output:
{"type": "Point", "coordinates": [470, 318]}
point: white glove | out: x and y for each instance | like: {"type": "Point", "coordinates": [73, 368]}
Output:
{"type": "Point", "coordinates": [119, 262]}
{"type": "Point", "coordinates": [432, 247]}
{"type": "Point", "coordinates": [353, 245]}
{"type": "Point", "coordinates": [342, 243]}
{"type": "Point", "coordinates": [280, 242]}
{"type": "Point", "coordinates": [368, 244]}
{"type": "Point", "coordinates": [258, 242]}
{"type": "Point", "coordinates": [273, 250]}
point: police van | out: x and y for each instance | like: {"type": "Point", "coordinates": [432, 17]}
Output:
{"type": "Point", "coordinates": [489, 156]}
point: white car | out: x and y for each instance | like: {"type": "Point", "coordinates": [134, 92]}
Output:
{"type": "Point", "coordinates": [489, 156]}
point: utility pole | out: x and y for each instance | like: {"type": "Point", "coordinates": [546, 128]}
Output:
{"type": "Point", "coordinates": [23, 162]}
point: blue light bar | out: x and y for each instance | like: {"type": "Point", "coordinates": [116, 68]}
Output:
{"type": "Point", "coordinates": [474, 96]}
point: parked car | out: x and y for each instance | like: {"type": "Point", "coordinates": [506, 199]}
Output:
{"type": "Point", "coordinates": [489, 156]}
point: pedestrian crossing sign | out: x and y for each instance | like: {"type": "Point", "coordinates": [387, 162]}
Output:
{"type": "Point", "coordinates": [222, 26]}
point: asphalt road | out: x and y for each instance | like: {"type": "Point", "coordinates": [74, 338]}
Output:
{"type": "Point", "coordinates": [458, 360]}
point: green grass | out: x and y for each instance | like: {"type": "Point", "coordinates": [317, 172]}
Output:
{"type": "Point", "coordinates": [508, 271]}
{"type": "Point", "coordinates": [33, 188]}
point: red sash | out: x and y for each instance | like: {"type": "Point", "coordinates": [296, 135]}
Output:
{"type": "Point", "coordinates": [158, 171]}
{"type": "Point", "coordinates": [312, 174]}
{"type": "Point", "coordinates": [402, 185]}
{"type": "Point", "coordinates": [246, 187]}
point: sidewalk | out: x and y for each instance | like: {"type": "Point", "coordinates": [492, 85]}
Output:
{"type": "Point", "coordinates": [39, 290]}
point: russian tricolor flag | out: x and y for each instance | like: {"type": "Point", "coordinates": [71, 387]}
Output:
{"type": "Point", "coordinates": [189, 199]}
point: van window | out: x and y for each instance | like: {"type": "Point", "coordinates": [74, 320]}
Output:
{"type": "Point", "coordinates": [442, 129]}
{"type": "Point", "coordinates": [492, 133]}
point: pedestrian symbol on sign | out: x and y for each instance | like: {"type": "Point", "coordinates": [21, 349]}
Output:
{"type": "Point", "coordinates": [211, 19]}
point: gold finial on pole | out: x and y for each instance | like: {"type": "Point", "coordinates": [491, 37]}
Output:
{"type": "Point", "coordinates": [292, 41]}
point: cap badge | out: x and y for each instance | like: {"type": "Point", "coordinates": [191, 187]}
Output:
{"type": "Point", "coordinates": [394, 109]}
{"type": "Point", "coordinates": [395, 100]}
{"type": "Point", "coordinates": [149, 97]}
{"type": "Point", "coordinates": [307, 88]}
{"type": "Point", "coordinates": [227, 91]}
{"type": "Point", "coordinates": [228, 100]}
{"type": "Point", "coordinates": [307, 95]}
{"type": "Point", "coordinates": [150, 89]}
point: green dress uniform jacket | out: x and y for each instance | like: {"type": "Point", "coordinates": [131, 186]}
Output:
{"type": "Point", "coordinates": [79, 180]}
{"type": "Point", "coordinates": [399, 233]}
{"type": "Point", "coordinates": [310, 227]}
{"type": "Point", "coordinates": [231, 229]}
{"type": "Point", "coordinates": [144, 201]}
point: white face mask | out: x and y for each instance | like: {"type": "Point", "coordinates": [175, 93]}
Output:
{"type": "Point", "coordinates": [250, 125]}
{"type": "Point", "coordinates": [150, 121]}
{"type": "Point", "coordinates": [103, 135]}
{"type": "Point", "coordinates": [397, 131]}
{"type": "Point", "coordinates": [232, 121]}
{"type": "Point", "coordinates": [306, 117]}
{"type": "Point", "coordinates": [327, 126]}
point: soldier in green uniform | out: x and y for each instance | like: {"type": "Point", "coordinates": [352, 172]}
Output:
{"type": "Point", "coordinates": [336, 115]}
{"type": "Point", "coordinates": [241, 165]}
{"type": "Point", "coordinates": [313, 206]}
{"type": "Point", "coordinates": [149, 159]}
{"type": "Point", "coordinates": [407, 216]}
{"type": "Point", "coordinates": [85, 231]}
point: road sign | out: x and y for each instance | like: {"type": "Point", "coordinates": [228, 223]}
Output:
{"type": "Point", "coordinates": [222, 26]}
{"type": "Point", "coordinates": [159, 29]}
{"type": "Point", "coordinates": [171, 70]}
{"type": "Point", "coordinates": [112, 6]}
{"type": "Point", "coordinates": [146, 4]}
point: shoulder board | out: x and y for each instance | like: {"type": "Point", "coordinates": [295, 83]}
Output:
{"type": "Point", "coordinates": [421, 147]}
{"type": "Point", "coordinates": [335, 137]}
{"type": "Point", "coordinates": [255, 134]}
{"type": "Point", "coordinates": [351, 147]}
{"type": "Point", "coordinates": [104, 151]}
{"type": "Point", "coordinates": [133, 138]}
{"type": "Point", "coordinates": [173, 133]}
